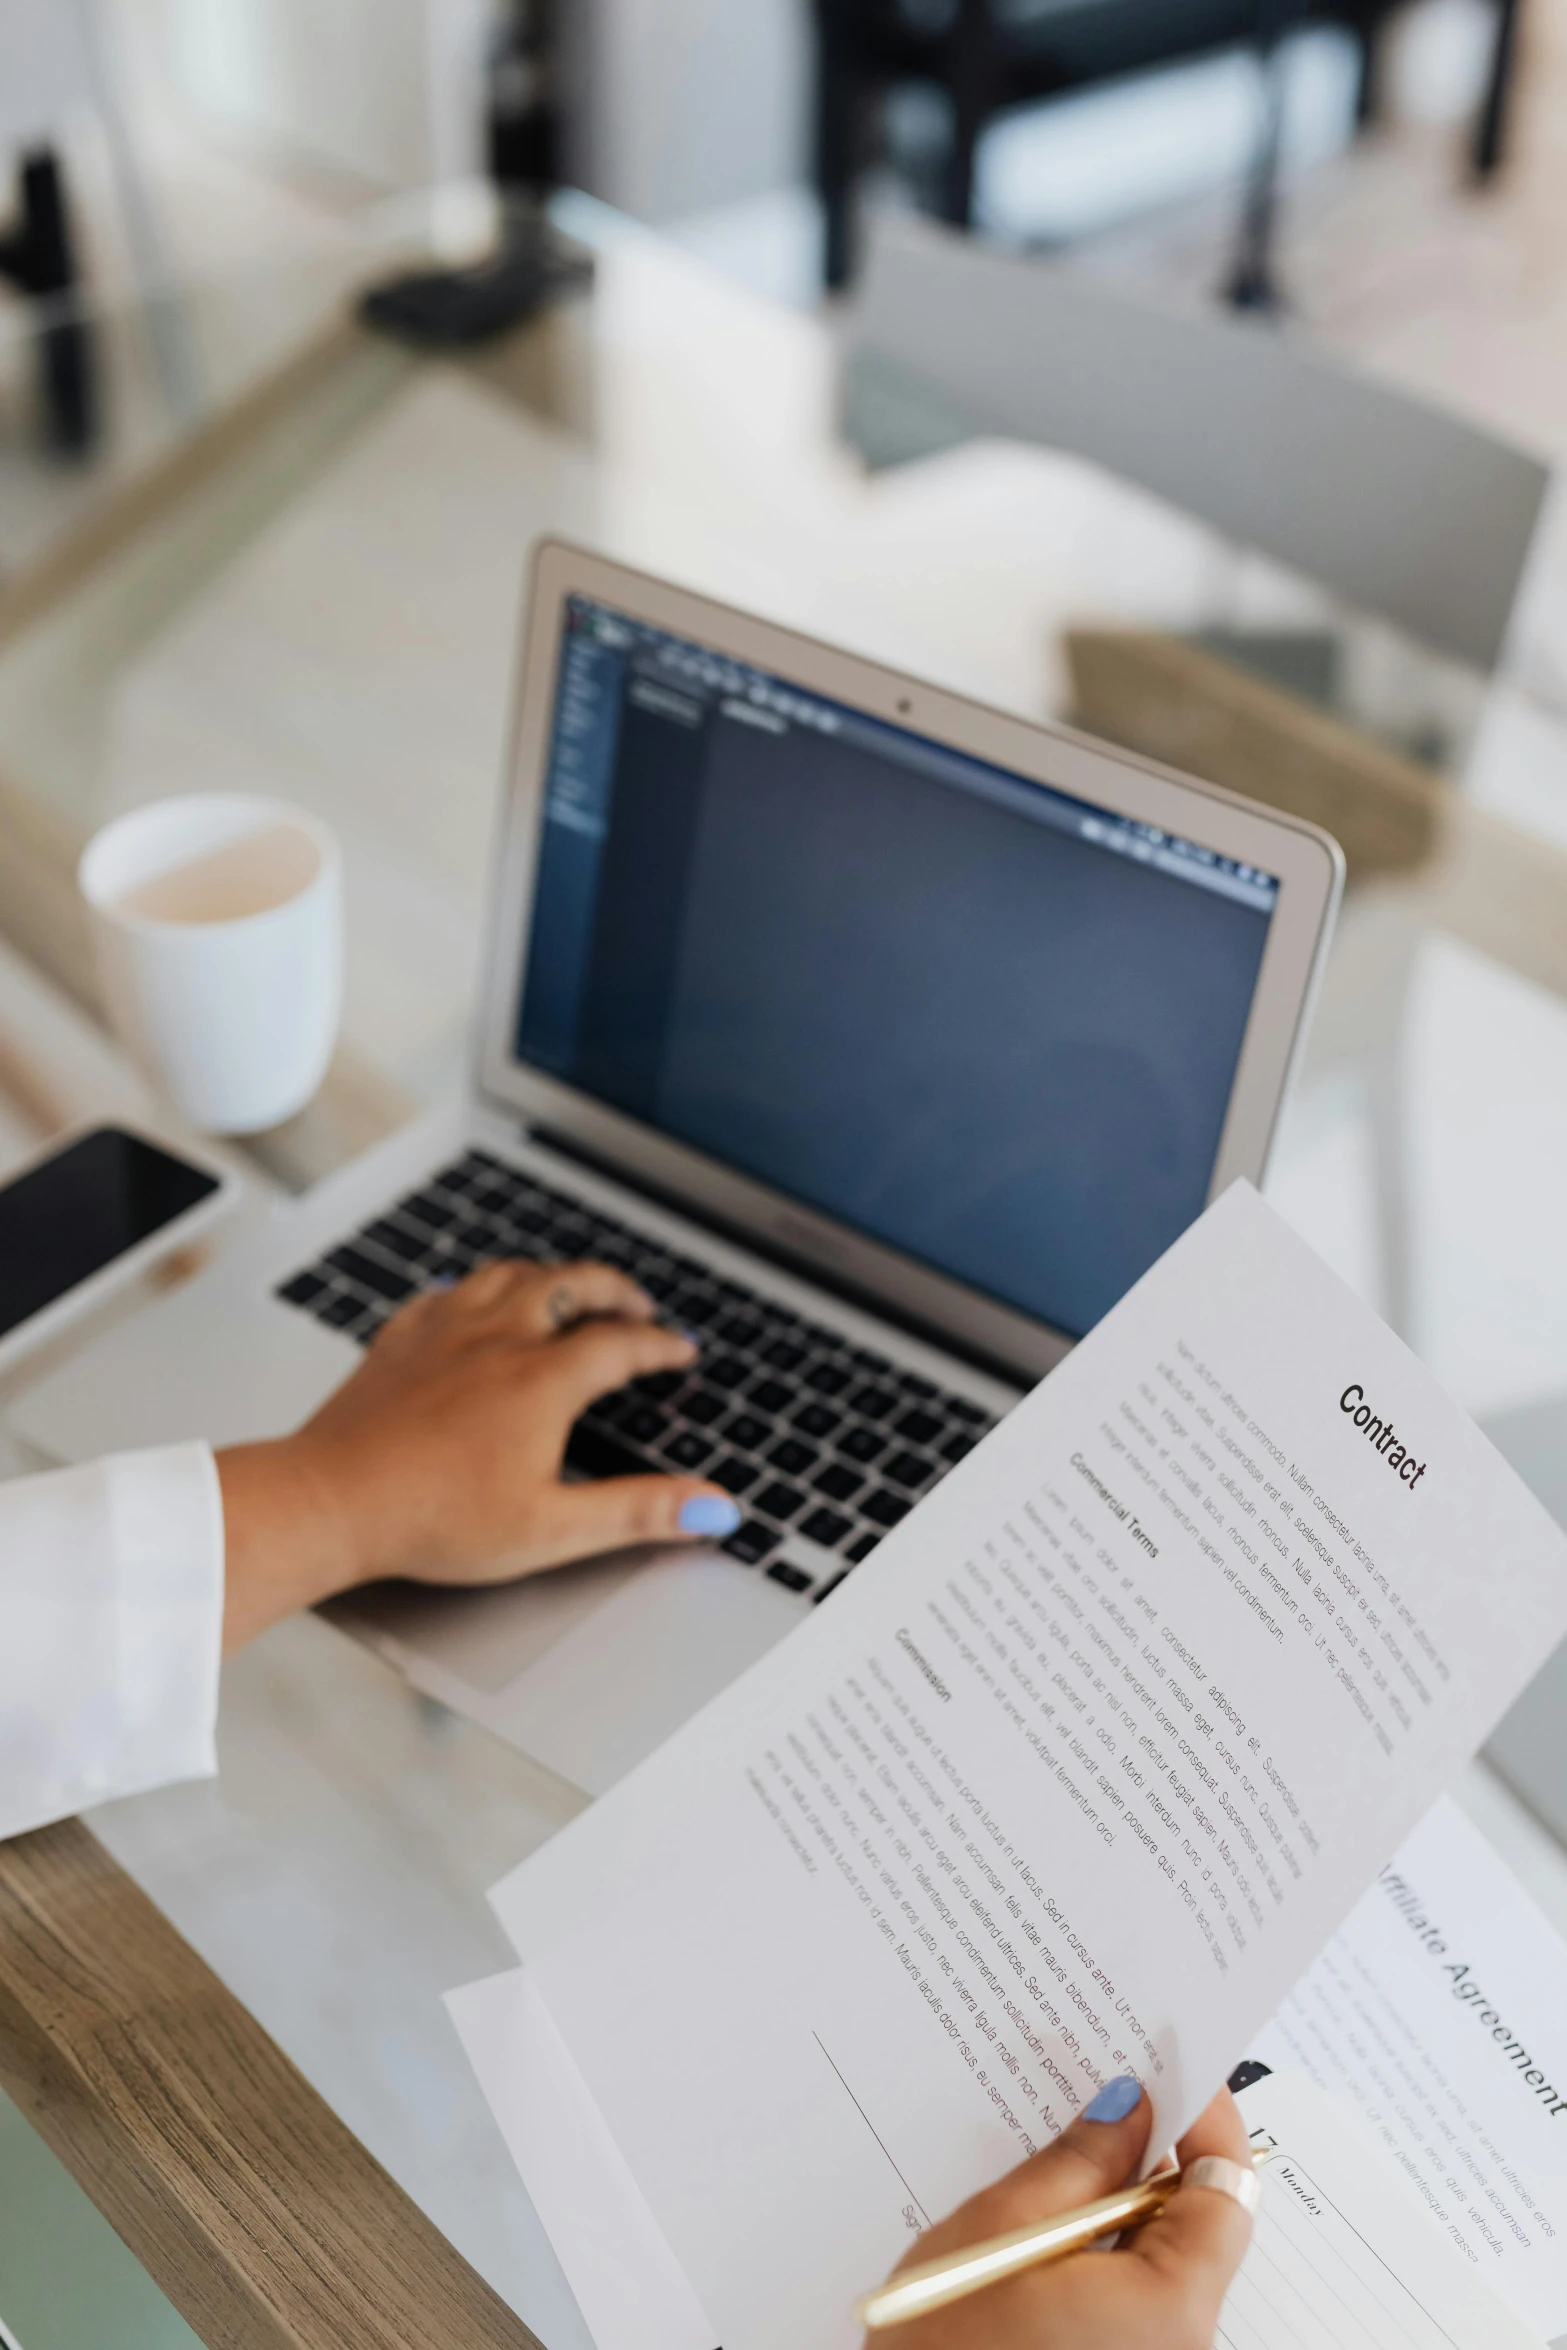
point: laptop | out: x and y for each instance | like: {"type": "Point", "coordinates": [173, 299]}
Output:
{"type": "Point", "coordinates": [884, 1038]}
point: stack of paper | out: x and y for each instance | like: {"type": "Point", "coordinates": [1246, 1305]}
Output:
{"type": "Point", "coordinates": [1073, 1777]}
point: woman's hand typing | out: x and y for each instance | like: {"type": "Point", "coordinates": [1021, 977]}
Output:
{"type": "Point", "coordinates": [440, 1458]}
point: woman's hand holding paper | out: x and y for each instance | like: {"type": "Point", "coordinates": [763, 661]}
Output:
{"type": "Point", "coordinates": [1160, 2289]}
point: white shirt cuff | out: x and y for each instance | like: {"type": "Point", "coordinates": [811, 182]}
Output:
{"type": "Point", "coordinates": [167, 1512]}
{"type": "Point", "coordinates": [111, 1630]}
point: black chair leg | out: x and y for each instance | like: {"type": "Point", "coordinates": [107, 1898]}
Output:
{"type": "Point", "coordinates": [38, 255]}
{"type": "Point", "coordinates": [1253, 282]}
{"type": "Point", "coordinates": [969, 83]}
{"type": "Point", "coordinates": [1490, 144]}
{"type": "Point", "coordinates": [957, 179]}
{"type": "Point", "coordinates": [839, 111]}
{"type": "Point", "coordinates": [1368, 82]}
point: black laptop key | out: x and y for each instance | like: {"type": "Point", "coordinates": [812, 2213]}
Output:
{"type": "Point", "coordinates": [861, 1443]}
{"type": "Point", "coordinates": [397, 1239]}
{"type": "Point", "coordinates": [770, 1395]}
{"type": "Point", "coordinates": [816, 1419]}
{"type": "Point", "coordinates": [783, 1354]}
{"type": "Point", "coordinates": [918, 1427]}
{"type": "Point", "coordinates": [659, 1386]}
{"type": "Point", "coordinates": [593, 1452]}
{"type": "Point", "coordinates": [792, 1578]}
{"type": "Point", "coordinates": [912, 1384]}
{"type": "Point", "coordinates": [739, 1330]}
{"type": "Point", "coordinates": [826, 1590]}
{"type": "Point", "coordinates": [424, 1208]}
{"type": "Point", "coordinates": [861, 1549]}
{"type": "Point", "coordinates": [606, 1411]}
{"type": "Point", "coordinates": [379, 1279]}
{"type": "Point", "coordinates": [837, 1482]}
{"type": "Point", "coordinates": [909, 1468]}
{"type": "Point", "coordinates": [874, 1402]}
{"type": "Point", "coordinates": [747, 1432]}
{"type": "Point", "coordinates": [726, 1371]}
{"type": "Point", "coordinates": [704, 1407]}
{"type": "Point", "coordinates": [303, 1290]}
{"type": "Point", "coordinates": [660, 1286]}
{"type": "Point", "coordinates": [826, 1527]}
{"type": "Point", "coordinates": [870, 1362]}
{"type": "Point", "coordinates": [884, 1508]}
{"type": "Point", "coordinates": [687, 1450]}
{"type": "Point", "coordinates": [827, 1378]}
{"type": "Point", "coordinates": [340, 1310]}
{"type": "Point", "coordinates": [734, 1474]}
{"type": "Point", "coordinates": [779, 1501]}
{"type": "Point", "coordinates": [752, 1542]}
{"type": "Point", "coordinates": [451, 1263]}
{"type": "Point", "coordinates": [643, 1424]}
{"type": "Point", "coordinates": [610, 1248]}
{"type": "Point", "coordinates": [793, 1457]}
{"type": "Point", "coordinates": [958, 1447]}
{"type": "Point", "coordinates": [694, 1309]}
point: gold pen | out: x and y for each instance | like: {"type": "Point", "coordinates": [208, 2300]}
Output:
{"type": "Point", "coordinates": [936, 2282]}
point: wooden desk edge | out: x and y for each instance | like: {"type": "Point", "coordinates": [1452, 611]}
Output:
{"type": "Point", "coordinates": [260, 2216]}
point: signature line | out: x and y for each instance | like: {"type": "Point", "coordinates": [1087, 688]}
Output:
{"type": "Point", "coordinates": [875, 2133]}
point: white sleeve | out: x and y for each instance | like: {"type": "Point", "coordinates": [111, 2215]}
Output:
{"type": "Point", "coordinates": [111, 1622]}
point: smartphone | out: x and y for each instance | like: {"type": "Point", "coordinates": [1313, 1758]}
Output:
{"type": "Point", "coordinates": [94, 1211]}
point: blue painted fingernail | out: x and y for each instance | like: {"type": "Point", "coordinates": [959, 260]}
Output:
{"type": "Point", "coordinates": [1115, 2100]}
{"type": "Point", "coordinates": [709, 1513]}
{"type": "Point", "coordinates": [689, 1336]}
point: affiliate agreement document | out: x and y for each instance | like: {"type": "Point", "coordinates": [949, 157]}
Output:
{"type": "Point", "coordinates": [1439, 2011]}
{"type": "Point", "coordinates": [1342, 2256]}
{"type": "Point", "coordinates": [1074, 1776]}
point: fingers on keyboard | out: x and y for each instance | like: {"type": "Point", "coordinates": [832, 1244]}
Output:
{"type": "Point", "coordinates": [830, 1444]}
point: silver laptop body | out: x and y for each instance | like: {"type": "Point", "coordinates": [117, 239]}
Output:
{"type": "Point", "coordinates": [888, 1038]}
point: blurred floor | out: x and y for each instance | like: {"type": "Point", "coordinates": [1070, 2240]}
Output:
{"type": "Point", "coordinates": [1392, 257]}
{"type": "Point", "coordinates": [1388, 252]}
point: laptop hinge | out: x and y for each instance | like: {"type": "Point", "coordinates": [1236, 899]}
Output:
{"type": "Point", "coordinates": [566, 1146]}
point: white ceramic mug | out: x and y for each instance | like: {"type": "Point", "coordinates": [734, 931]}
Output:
{"type": "Point", "coordinates": [219, 932]}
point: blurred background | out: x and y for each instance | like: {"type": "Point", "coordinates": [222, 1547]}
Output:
{"type": "Point", "coordinates": [1392, 177]}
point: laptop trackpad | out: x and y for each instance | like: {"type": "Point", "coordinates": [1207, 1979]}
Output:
{"type": "Point", "coordinates": [623, 1679]}
{"type": "Point", "coordinates": [485, 1637]}
{"type": "Point", "coordinates": [588, 1668]}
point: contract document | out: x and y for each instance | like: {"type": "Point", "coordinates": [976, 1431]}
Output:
{"type": "Point", "coordinates": [1073, 1777]}
{"type": "Point", "coordinates": [1439, 2013]}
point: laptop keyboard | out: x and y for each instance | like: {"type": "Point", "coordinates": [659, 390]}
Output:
{"type": "Point", "coordinates": [824, 1445]}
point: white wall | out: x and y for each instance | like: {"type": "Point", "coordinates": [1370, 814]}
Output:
{"type": "Point", "coordinates": [384, 91]}
{"type": "Point", "coordinates": [678, 105]}
{"type": "Point", "coordinates": [688, 104]}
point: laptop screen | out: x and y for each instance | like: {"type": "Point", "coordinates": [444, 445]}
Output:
{"type": "Point", "coordinates": [989, 1025]}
